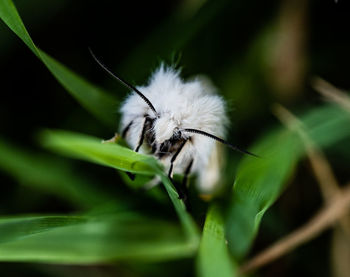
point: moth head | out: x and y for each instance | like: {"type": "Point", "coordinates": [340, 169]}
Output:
{"type": "Point", "coordinates": [165, 128]}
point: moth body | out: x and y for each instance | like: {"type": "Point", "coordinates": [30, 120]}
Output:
{"type": "Point", "coordinates": [180, 122]}
{"type": "Point", "coordinates": [179, 106]}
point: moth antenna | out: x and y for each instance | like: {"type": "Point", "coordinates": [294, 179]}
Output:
{"type": "Point", "coordinates": [220, 140]}
{"type": "Point", "coordinates": [123, 82]}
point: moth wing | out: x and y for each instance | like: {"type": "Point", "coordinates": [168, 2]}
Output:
{"type": "Point", "coordinates": [209, 177]}
{"type": "Point", "coordinates": [207, 84]}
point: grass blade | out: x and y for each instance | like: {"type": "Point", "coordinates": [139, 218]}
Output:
{"type": "Point", "coordinates": [188, 224]}
{"type": "Point", "coordinates": [213, 258]}
{"type": "Point", "coordinates": [50, 175]}
{"type": "Point", "coordinates": [96, 101]}
{"type": "Point", "coordinates": [92, 149]}
{"type": "Point", "coordinates": [89, 240]}
{"type": "Point", "coordinates": [15, 228]}
{"type": "Point", "coordinates": [258, 184]}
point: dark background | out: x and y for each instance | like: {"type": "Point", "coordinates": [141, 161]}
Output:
{"type": "Point", "coordinates": [256, 52]}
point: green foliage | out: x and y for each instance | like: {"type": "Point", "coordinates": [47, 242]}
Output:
{"type": "Point", "coordinates": [81, 146]}
{"type": "Point", "coordinates": [113, 155]}
{"type": "Point", "coordinates": [280, 150]}
{"type": "Point", "coordinates": [105, 228]}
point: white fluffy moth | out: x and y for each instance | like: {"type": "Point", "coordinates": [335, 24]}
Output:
{"type": "Point", "coordinates": [180, 123]}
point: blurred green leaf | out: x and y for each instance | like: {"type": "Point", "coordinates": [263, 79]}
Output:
{"type": "Point", "coordinates": [49, 174]}
{"type": "Point", "coordinates": [89, 240]}
{"type": "Point", "coordinates": [260, 181]}
{"type": "Point", "coordinates": [95, 100]}
{"type": "Point", "coordinates": [258, 184]}
{"type": "Point", "coordinates": [14, 228]}
{"type": "Point", "coordinates": [327, 125]}
{"type": "Point", "coordinates": [213, 257]}
{"type": "Point", "coordinates": [113, 155]}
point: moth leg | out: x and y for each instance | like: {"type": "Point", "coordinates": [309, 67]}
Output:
{"type": "Point", "coordinates": [132, 176]}
{"type": "Point", "coordinates": [187, 172]}
{"type": "Point", "coordinates": [179, 189]}
{"type": "Point", "coordinates": [124, 133]}
{"type": "Point", "coordinates": [116, 135]}
{"type": "Point", "coordinates": [142, 136]}
{"type": "Point", "coordinates": [184, 185]}
{"type": "Point", "coordinates": [126, 129]}
{"type": "Point", "coordinates": [114, 139]}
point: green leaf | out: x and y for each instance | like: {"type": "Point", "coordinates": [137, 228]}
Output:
{"type": "Point", "coordinates": [258, 184]}
{"type": "Point", "coordinates": [213, 258]}
{"type": "Point", "coordinates": [327, 125]}
{"type": "Point", "coordinates": [260, 181]}
{"type": "Point", "coordinates": [90, 240]}
{"type": "Point", "coordinates": [14, 228]}
{"type": "Point", "coordinates": [10, 16]}
{"type": "Point", "coordinates": [99, 103]}
{"type": "Point", "coordinates": [113, 155]}
{"type": "Point", "coordinates": [49, 174]}
{"type": "Point", "coordinates": [189, 225]}
{"type": "Point", "coordinates": [92, 149]}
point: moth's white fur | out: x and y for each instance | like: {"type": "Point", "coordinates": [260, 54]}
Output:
{"type": "Point", "coordinates": [179, 104]}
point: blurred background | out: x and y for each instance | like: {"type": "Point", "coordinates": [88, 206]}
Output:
{"type": "Point", "coordinates": [256, 52]}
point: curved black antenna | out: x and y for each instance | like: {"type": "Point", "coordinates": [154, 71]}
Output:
{"type": "Point", "coordinates": [220, 140]}
{"type": "Point", "coordinates": [129, 86]}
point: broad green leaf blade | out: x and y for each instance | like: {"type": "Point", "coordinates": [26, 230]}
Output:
{"type": "Point", "coordinates": [49, 174]}
{"type": "Point", "coordinates": [92, 149]}
{"type": "Point", "coordinates": [260, 181]}
{"type": "Point", "coordinates": [95, 100]}
{"type": "Point", "coordinates": [89, 240]}
{"type": "Point", "coordinates": [213, 257]}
